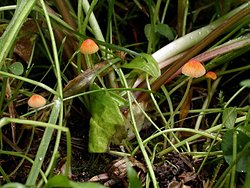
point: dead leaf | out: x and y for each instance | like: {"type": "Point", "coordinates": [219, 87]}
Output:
{"type": "Point", "coordinates": [25, 42]}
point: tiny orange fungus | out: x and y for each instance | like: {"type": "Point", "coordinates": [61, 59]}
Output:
{"type": "Point", "coordinates": [211, 75]}
{"type": "Point", "coordinates": [193, 69]}
{"type": "Point", "coordinates": [36, 101]}
{"type": "Point", "coordinates": [89, 47]}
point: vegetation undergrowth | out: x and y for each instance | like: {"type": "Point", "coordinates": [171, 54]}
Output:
{"type": "Point", "coordinates": [124, 94]}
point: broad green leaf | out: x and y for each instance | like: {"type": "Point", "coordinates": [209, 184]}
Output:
{"type": "Point", "coordinates": [59, 181]}
{"type": "Point", "coordinates": [63, 181]}
{"type": "Point", "coordinates": [133, 179]}
{"type": "Point", "coordinates": [247, 179]}
{"type": "Point", "coordinates": [160, 29]}
{"type": "Point", "coordinates": [245, 83]}
{"type": "Point", "coordinates": [16, 68]}
{"type": "Point", "coordinates": [106, 124]}
{"type": "Point", "coordinates": [227, 148]}
{"type": "Point", "coordinates": [147, 32]}
{"type": "Point", "coordinates": [229, 117]}
{"type": "Point", "coordinates": [165, 30]}
{"type": "Point", "coordinates": [14, 185]}
{"type": "Point", "coordinates": [145, 63]}
{"type": "Point", "coordinates": [245, 129]}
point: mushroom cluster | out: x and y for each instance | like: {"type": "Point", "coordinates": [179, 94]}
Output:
{"type": "Point", "coordinates": [195, 69]}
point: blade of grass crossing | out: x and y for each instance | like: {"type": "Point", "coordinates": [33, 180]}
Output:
{"type": "Point", "coordinates": [32, 177]}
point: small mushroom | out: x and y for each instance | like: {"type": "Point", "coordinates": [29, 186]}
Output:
{"type": "Point", "coordinates": [193, 69]}
{"type": "Point", "coordinates": [36, 101]}
{"type": "Point", "coordinates": [211, 75]}
{"type": "Point", "coordinates": [89, 47]}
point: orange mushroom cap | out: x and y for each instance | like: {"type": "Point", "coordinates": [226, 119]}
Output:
{"type": "Point", "coordinates": [193, 69]}
{"type": "Point", "coordinates": [89, 47]}
{"type": "Point", "coordinates": [36, 101]}
{"type": "Point", "coordinates": [212, 75]}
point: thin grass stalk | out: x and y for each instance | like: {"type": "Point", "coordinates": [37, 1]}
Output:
{"type": "Point", "coordinates": [233, 97]}
{"type": "Point", "coordinates": [197, 135]}
{"type": "Point", "coordinates": [163, 118]}
{"type": "Point", "coordinates": [170, 105]}
{"type": "Point", "coordinates": [164, 11]}
{"type": "Point", "coordinates": [8, 7]}
{"type": "Point", "coordinates": [194, 137]}
{"type": "Point", "coordinates": [206, 103]}
{"type": "Point", "coordinates": [137, 135]}
{"type": "Point", "coordinates": [10, 34]}
{"type": "Point", "coordinates": [92, 21]}
{"type": "Point", "coordinates": [56, 114]}
{"type": "Point", "coordinates": [26, 152]}
{"type": "Point", "coordinates": [234, 157]}
{"type": "Point", "coordinates": [17, 154]}
{"type": "Point", "coordinates": [33, 82]}
{"type": "Point", "coordinates": [4, 175]}
{"type": "Point", "coordinates": [48, 126]}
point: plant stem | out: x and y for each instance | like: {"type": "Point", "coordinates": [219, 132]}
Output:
{"type": "Point", "coordinates": [137, 135]}
{"type": "Point", "coordinates": [190, 39]}
{"type": "Point", "coordinates": [92, 20]}
{"type": "Point", "coordinates": [197, 135]}
{"type": "Point", "coordinates": [234, 156]}
{"type": "Point", "coordinates": [205, 105]}
{"type": "Point", "coordinates": [10, 34]}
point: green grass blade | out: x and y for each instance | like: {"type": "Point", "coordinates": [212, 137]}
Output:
{"type": "Point", "coordinates": [9, 36]}
{"type": "Point", "coordinates": [31, 180]}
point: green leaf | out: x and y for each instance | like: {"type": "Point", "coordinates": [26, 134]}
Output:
{"type": "Point", "coordinates": [63, 181]}
{"type": "Point", "coordinates": [59, 181]}
{"type": "Point", "coordinates": [16, 68]}
{"type": "Point", "coordinates": [165, 30]}
{"type": "Point", "coordinates": [227, 148]}
{"type": "Point", "coordinates": [133, 179]}
{"type": "Point", "coordinates": [247, 117]}
{"type": "Point", "coordinates": [145, 63]}
{"type": "Point", "coordinates": [86, 185]}
{"type": "Point", "coordinates": [106, 124]}
{"type": "Point", "coordinates": [229, 117]}
{"type": "Point", "coordinates": [245, 83]}
{"type": "Point", "coordinates": [247, 179]}
{"type": "Point", "coordinates": [14, 185]}
{"type": "Point", "coordinates": [162, 29]}
{"type": "Point", "coordinates": [245, 129]}
{"type": "Point", "coordinates": [147, 29]}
